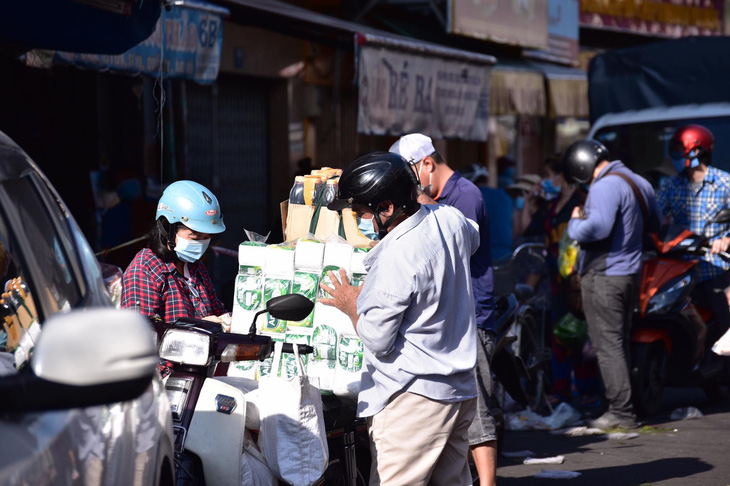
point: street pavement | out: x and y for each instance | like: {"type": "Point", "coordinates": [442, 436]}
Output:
{"type": "Point", "coordinates": [667, 452]}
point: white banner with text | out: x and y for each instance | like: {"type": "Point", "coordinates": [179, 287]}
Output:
{"type": "Point", "coordinates": [403, 92]}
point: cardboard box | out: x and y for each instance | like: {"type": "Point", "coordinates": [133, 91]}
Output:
{"type": "Point", "coordinates": [296, 220]}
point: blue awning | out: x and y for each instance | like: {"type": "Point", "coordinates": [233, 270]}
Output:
{"type": "Point", "coordinates": [186, 44]}
{"type": "Point", "coordinates": [89, 26]}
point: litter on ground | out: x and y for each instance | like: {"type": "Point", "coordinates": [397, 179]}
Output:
{"type": "Point", "coordinates": [544, 460]}
{"type": "Point", "coordinates": [517, 454]}
{"type": "Point", "coordinates": [578, 431]}
{"type": "Point", "coordinates": [556, 474]}
{"type": "Point", "coordinates": [621, 435]}
{"type": "Point", "coordinates": [563, 416]}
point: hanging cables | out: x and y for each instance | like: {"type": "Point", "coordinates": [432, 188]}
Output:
{"type": "Point", "coordinates": [160, 81]}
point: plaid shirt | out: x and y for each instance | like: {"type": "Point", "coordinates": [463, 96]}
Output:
{"type": "Point", "coordinates": [690, 205]}
{"type": "Point", "coordinates": [155, 288]}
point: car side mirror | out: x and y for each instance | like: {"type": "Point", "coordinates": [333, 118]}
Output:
{"type": "Point", "coordinates": [84, 358]}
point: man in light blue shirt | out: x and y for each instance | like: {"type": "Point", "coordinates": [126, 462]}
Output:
{"type": "Point", "coordinates": [415, 317]}
{"type": "Point", "coordinates": [446, 186]}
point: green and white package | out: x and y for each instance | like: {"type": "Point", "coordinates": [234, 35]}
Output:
{"type": "Point", "coordinates": [288, 365]}
{"type": "Point", "coordinates": [245, 369]}
{"type": "Point", "coordinates": [325, 279]}
{"type": "Point", "coordinates": [309, 254]}
{"type": "Point", "coordinates": [357, 266]}
{"type": "Point", "coordinates": [248, 298]}
{"type": "Point", "coordinates": [249, 287]}
{"type": "Point", "coordinates": [349, 367]}
{"type": "Point", "coordinates": [274, 287]}
{"type": "Point", "coordinates": [248, 292]}
{"type": "Point", "coordinates": [252, 253]}
{"type": "Point", "coordinates": [358, 279]}
{"type": "Point", "coordinates": [264, 367]}
{"type": "Point", "coordinates": [306, 284]}
{"type": "Point", "coordinates": [357, 263]}
{"type": "Point", "coordinates": [280, 260]}
{"type": "Point", "coordinates": [349, 354]}
{"type": "Point", "coordinates": [324, 342]}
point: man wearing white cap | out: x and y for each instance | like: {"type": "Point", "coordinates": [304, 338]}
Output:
{"type": "Point", "coordinates": [444, 185]}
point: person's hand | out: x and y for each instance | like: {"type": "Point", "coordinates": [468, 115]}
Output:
{"type": "Point", "coordinates": [720, 244]}
{"type": "Point", "coordinates": [423, 198]}
{"type": "Point", "coordinates": [344, 296]}
{"type": "Point", "coordinates": [576, 213]}
{"type": "Point", "coordinates": [219, 319]}
{"type": "Point", "coordinates": [534, 192]}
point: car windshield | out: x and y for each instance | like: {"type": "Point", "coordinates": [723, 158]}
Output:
{"type": "Point", "coordinates": [643, 146]}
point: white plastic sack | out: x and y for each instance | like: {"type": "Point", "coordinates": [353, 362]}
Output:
{"type": "Point", "coordinates": [722, 346]}
{"type": "Point", "coordinates": [563, 416]}
{"type": "Point", "coordinates": [292, 436]}
{"type": "Point", "coordinates": [254, 471]}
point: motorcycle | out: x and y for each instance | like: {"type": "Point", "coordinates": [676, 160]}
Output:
{"type": "Point", "coordinates": [526, 340]}
{"type": "Point", "coordinates": [672, 336]}
{"type": "Point", "coordinates": [208, 414]}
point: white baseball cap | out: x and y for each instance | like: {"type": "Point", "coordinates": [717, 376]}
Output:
{"type": "Point", "coordinates": [413, 147]}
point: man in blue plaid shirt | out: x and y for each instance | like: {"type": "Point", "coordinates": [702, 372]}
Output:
{"type": "Point", "coordinates": [693, 197]}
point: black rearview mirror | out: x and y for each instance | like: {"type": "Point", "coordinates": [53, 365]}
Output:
{"type": "Point", "coordinates": [722, 216]}
{"type": "Point", "coordinates": [289, 307]}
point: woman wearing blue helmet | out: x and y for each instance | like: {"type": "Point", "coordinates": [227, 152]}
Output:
{"type": "Point", "coordinates": [167, 279]}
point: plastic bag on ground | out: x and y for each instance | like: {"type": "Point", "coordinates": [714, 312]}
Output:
{"type": "Point", "coordinates": [544, 460]}
{"type": "Point", "coordinates": [578, 431]}
{"type": "Point", "coordinates": [563, 416]}
{"type": "Point", "coordinates": [524, 420]}
{"type": "Point", "coordinates": [621, 435]}
{"type": "Point", "coordinates": [686, 413]}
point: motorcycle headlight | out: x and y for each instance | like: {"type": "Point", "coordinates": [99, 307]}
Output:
{"type": "Point", "coordinates": [669, 294]}
{"type": "Point", "coordinates": [185, 347]}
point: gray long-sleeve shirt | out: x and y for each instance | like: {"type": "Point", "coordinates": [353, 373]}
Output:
{"type": "Point", "coordinates": [611, 236]}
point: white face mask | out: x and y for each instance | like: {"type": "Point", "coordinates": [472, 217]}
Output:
{"type": "Point", "coordinates": [426, 189]}
{"type": "Point", "coordinates": [190, 251]}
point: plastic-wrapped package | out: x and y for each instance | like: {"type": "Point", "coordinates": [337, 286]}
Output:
{"type": "Point", "coordinates": [266, 271]}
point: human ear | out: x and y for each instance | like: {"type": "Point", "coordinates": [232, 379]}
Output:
{"type": "Point", "coordinates": [428, 165]}
{"type": "Point", "coordinates": [386, 208]}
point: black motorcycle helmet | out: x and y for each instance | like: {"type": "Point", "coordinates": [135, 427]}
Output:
{"type": "Point", "coordinates": [581, 158]}
{"type": "Point", "coordinates": [375, 178]}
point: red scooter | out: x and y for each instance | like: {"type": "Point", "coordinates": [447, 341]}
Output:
{"type": "Point", "coordinates": [672, 336]}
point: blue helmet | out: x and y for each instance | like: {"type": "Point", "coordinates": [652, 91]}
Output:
{"type": "Point", "coordinates": [193, 205]}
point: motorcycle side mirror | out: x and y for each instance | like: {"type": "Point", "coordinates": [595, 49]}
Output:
{"type": "Point", "coordinates": [722, 216]}
{"type": "Point", "coordinates": [289, 307]}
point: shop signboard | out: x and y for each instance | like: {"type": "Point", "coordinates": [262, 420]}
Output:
{"type": "Point", "coordinates": [517, 22]}
{"type": "Point", "coordinates": [661, 18]}
{"type": "Point", "coordinates": [187, 41]}
{"type": "Point", "coordinates": [403, 92]}
{"type": "Point", "coordinates": [562, 33]}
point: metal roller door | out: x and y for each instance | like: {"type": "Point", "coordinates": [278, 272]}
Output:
{"type": "Point", "coordinates": [227, 150]}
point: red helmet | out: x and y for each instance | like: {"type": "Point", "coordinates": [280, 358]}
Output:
{"type": "Point", "coordinates": [692, 142]}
